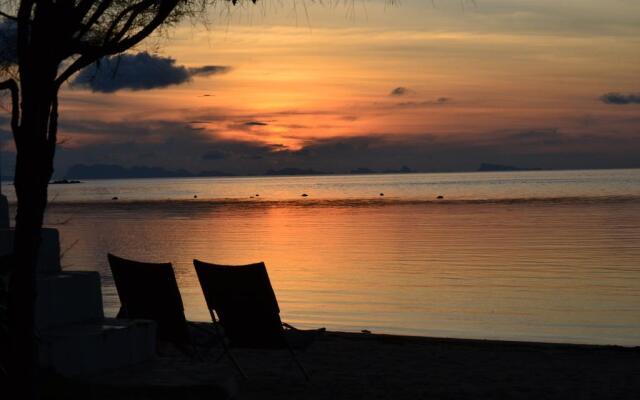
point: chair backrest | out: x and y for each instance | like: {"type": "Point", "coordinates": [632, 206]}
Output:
{"type": "Point", "coordinates": [245, 303]}
{"type": "Point", "coordinates": [150, 291]}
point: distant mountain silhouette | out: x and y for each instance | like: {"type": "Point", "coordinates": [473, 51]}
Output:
{"type": "Point", "coordinates": [294, 171]}
{"type": "Point", "coordinates": [363, 171]}
{"type": "Point", "coordinates": [212, 173]}
{"type": "Point", "coordinates": [403, 170]}
{"type": "Point", "coordinates": [109, 171]}
{"type": "Point", "coordinates": [486, 167]}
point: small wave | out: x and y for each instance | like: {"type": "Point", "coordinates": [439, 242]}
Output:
{"type": "Point", "coordinates": [350, 202]}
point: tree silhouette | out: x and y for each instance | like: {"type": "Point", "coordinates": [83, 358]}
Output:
{"type": "Point", "coordinates": [51, 41]}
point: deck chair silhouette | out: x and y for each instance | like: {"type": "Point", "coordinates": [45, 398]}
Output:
{"type": "Point", "coordinates": [150, 291]}
{"type": "Point", "coordinates": [244, 308]}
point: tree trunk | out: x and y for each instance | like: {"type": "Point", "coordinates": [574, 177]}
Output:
{"type": "Point", "coordinates": [34, 167]}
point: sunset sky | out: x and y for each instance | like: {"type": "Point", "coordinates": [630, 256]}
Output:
{"type": "Point", "coordinates": [440, 86]}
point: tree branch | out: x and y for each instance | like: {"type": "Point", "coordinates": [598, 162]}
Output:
{"type": "Point", "coordinates": [92, 53]}
{"type": "Point", "coordinates": [135, 10]}
{"type": "Point", "coordinates": [24, 19]}
{"type": "Point", "coordinates": [94, 17]}
{"type": "Point", "coordinates": [52, 134]}
{"type": "Point", "coordinates": [8, 16]}
{"type": "Point", "coordinates": [11, 85]}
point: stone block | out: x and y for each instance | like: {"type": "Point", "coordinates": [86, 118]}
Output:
{"type": "Point", "coordinates": [68, 298]}
{"type": "Point", "coordinates": [4, 212]}
{"type": "Point", "coordinates": [74, 350]}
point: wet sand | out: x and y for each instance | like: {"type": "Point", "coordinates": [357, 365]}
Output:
{"type": "Point", "coordinates": [370, 366]}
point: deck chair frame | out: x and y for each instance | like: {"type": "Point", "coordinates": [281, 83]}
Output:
{"type": "Point", "coordinates": [118, 265]}
{"type": "Point", "coordinates": [219, 326]}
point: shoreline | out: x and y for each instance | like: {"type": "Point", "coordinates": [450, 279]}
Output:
{"type": "Point", "coordinates": [416, 339]}
{"type": "Point", "coordinates": [355, 365]}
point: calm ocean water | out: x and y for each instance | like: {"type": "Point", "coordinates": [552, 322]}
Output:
{"type": "Point", "coordinates": [545, 256]}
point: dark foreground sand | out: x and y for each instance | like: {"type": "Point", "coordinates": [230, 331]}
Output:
{"type": "Point", "coordinates": [366, 366]}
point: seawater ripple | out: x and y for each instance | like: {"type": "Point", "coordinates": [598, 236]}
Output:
{"type": "Point", "coordinates": [345, 203]}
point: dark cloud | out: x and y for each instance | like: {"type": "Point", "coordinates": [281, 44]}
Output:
{"type": "Point", "coordinates": [159, 143]}
{"type": "Point", "coordinates": [620, 98]}
{"type": "Point", "coordinates": [547, 136]}
{"type": "Point", "coordinates": [175, 145]}
{"type": "Point", "coordinates": [255, 123]}
{"type": "Point", "coordinates": [141, 71]}
{"type": "Point", "coordinates": [214, 155]}
{"type": "Point", "coordinates": [8, 40]}
{"type": "Point", "coordinates": [116, 131]}
{"type": "Point", "coordinates": [400, 91]}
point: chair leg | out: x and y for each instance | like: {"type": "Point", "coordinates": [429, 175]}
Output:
{"type": "Point", "coordinates": [225, 346]}
{"type": "Point", "coordinates": [236, 364]}
{"type": "Point", "coordinates": [224, 353]}
{"type": "Point", "coordinates": [299, 364]}
{"type": "Point", "coordinates": [196, 352]}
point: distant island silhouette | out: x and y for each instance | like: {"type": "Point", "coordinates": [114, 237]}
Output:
{"type": "Point", "coordinates": [295, 171]}
{"type": "Point", "coordinates": [487, 167]}
{"type": "Point", "coordinates": [364, 171]}
{"type": "Point", "coordinates": [109, 171]}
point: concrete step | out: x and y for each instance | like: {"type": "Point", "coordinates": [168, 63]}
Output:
{"type": "Point", "coordinates": [89, 348]}
{"type": "Point", "coordinates": [4, 212]}
{"type": "Point", "coordinates": [49, 253]}
{"type": "Point", "coordinates": [68, 298]}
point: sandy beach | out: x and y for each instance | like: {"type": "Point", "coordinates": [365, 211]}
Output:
{"type": "Point", "coordinates": [371, 366]}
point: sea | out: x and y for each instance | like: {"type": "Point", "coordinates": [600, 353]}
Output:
{"type": "Point", "coordinates": [549, 256]}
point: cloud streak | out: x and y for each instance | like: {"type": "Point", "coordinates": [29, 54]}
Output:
{"type": "Point", "coordinates": [620, 99]}
{"type": "Point", "coordinates": [209, 70]}
{"type": "Point", "coordinates": [421, 104]}
{"type": "Point", "coordinates": [255, 123]}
